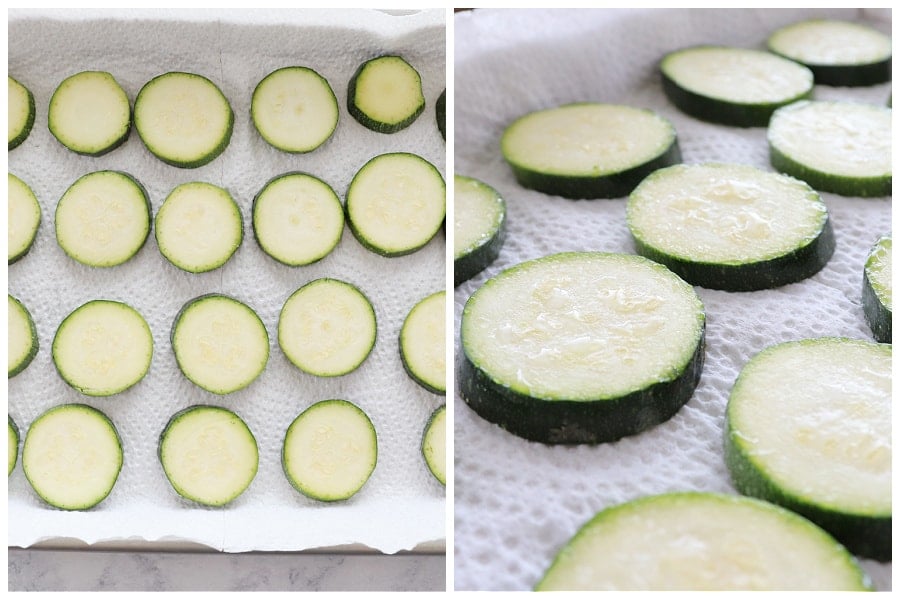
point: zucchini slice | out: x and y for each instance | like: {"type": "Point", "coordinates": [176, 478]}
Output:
{"type": "Point", "coordinates": [294, 109]}
{"type": "Point", "coordinates": [838, 147]}
{"type": "Point", "coordinates": [199, 227]}
{"type": "Point", "coordinates": [330, 450]}
{"type": "Point", "coordinates": [103, 219]}
{"type": "Point", "coordinates": [385, 94]}
{"type": "Point", "coordinates": [440, 113]}
{"type": "Point", "coordinates": [396, 203]}
{"type": "Point", "coordinates": [588, 150]}
{"type": "Point", "coordinates": [327, 328]}
{"type": "Point", "coordinates": [102, 348]}
{"type": "Point", "coordinates": [839, 53]}
{"type": "Point", "coordinates": [20, 112]}
{"type": "Point", "coordinates": [877, 289]}
{"type": "Point", "coordinates": [90, 113]}
{"type": "Point", "coordinates": [208, 454]}
{"type": "Point", "coordinates": [479, 227]}
{"type": "Point", "coordinates": [732, 86]}
{"type": "Point", "coordinates": [581, 347]}
{"type": "Point", "coordinates": [298, 219]}
{"type": "Point", "coordinates": [730, 227]}
{"type": "Point", "coordinates": [422, 343]}
{"type": "Point", "coordinates": [12, 447]}
{"type": "Point", "coordinates": [695, 541]}
{"type": "Point", "coordinates": [183, 119]}
{"type": "Point", "coordinates": [220, 344]}
{"type": "Point", "coordinates": [807, 427]}
{"type": "Point", "coordinates": [434, 444]}
{"type": "Point", "coordinates": [23, 340]}
{"type": "Point", "coordinates": [72, 456]}
{"type": "Point", "coordinates": [24, 218]}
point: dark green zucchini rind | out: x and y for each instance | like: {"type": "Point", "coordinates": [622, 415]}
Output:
{"type": "Point", "coordinates": [440, 113]}
{"type": "Point", "coordinates": [866, 187]}
{"type": "Point", "coordinates": [468, 266]}
{"type": "Point", "coordinates": [374, 124]}
{"type": "Point", "coordinates": [877, 313]}
{"type": "Point", "coordinates": [22, 134]}
{"type": "Point", "coordinates": [852, 76]}
{"type": "Point", "coordinates": [13, 458]}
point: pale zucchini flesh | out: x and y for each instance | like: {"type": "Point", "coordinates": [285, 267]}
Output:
{"type": "Point", "coordinates": [22, 342]}
{"type": "Point", "coordinates": [479, 227]}
{"type": "Point", "coordinates": [422, 343]}
{"type": "Point", "coordinates": [20, 113]}
{"type": "Point", "coordinates": [24, 218]}
{"type": "Point", "coordinates": [90, 113]}
{"type": "Point", "coordinates": [434, 444]}
{"type": "Point", "coordinates": [385, 94]}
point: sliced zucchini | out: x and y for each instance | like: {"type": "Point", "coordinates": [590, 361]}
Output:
{"type": "Point", "coordinates": [199, 227]}
{"type": "Point", "coordinates": [695, 541]}
{"type": "Point", "coordinates": [385, 94]}
{"type": "Point", "coordinates": [298, 219]}
{"type": "Point", "coordinates": [12, 448]}
{"type": "Point", "coordinates": [838, 53]}
{"type": "Point", "coordinates": [422, 343]}
{"type": "Point", "coordinates": [440, 113]}
{"type": "Point", "coordinates": [839, 147]}
{"type": "Point", "coordinates": [730, 227]}
{"type": "Point", "coordinates": [90, 113]}
{"type": "Point", "coordinates": [208, 454]}
{"type": "Point", "coordinates": [330, 450]}
{"type": "Point", "coordinates": [102, 348]}
{"type": "Point", "coordinates": [72, 456]}
{"type": "Point", "coordinates": [588, 150]}
{"type": "Point", "coordinates": [24, 218]}
{"type": "Point", "coordinates": [396, 203]}
{"type": "Point", "coordinates": [877, 290]}
{"type": "Point", "coordinates": [327, 328]}
{"type": "Point", "coordinates": [732, 86]}
{"type": "Point", "coordinates": [183, 119]}
{"type": "Point", "coordinates": [479, 227]}
{"type": "Point", "coordinates": [581, 347]}
{"type": "Point", "coordinates": [20, 112]}
{"type": "Point", "coordinates": [294, 109]}
{"type": "Point", "coordinates": [807, 427]}
{"type": "Point", "coordinates": [434, 444]}
{"type": "Point", "coordinates": [103, 219]}
{"type": "Point", "coordinates": [220, 344]}
{"type": "Point", "coordinates": [23, 340]}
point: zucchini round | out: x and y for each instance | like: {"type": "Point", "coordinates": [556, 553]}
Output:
{"type": "Point", "coordinates": [90, 113]}
{"type": "Point", "coordinates": [434, 444]}
{"type": "Point", "coordinates": [12, 447]}
{"type": "Point", "coordinates": [877, 290]}
{"type": "Point", "coordinates": [422, 343]}
{"type": "Point", "coordinates": [581, 347]}
{"type": "Point", "coordinates": [479, 227]}
{"type": "Point", "coordinates": [22, 343]}
{"type": "Point", "coordinates": [385, 94]}
{"type": "Point", "coordinates": [20, 112]}
{"type": "Point", "coordinates": [24, 218]}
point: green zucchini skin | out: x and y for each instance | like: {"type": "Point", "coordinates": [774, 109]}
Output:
{"type": "Point", "coordinates": [852, 76]}
{"type": "Point", "coordinates": [29, 123]}
{"type": "Point", "coordinates": [14, 433]}
{"type": "Point", "coordinates": [367, 121]}
{"type": "Point", "coordinates": [878, 315]}
{"type": "Point", "coordinates": [867, 187]}
{"type": "Point", "coordinates": [468, 266]}
{"type": "Point", "coordinates": [440, 113]}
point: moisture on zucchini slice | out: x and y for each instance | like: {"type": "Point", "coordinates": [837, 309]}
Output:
{"type": "Point", "coordinates": [199, 227]}
{"type": "Point", "coordinates": [90, 113]}
{"type": "Point", "coordinates": [588, 150]}
{"type": "Point", "coordinates": [327, 328]}
{"type": "Point", "coordinates": [839, 53]}
{"type": "Point", "coordinates": [581, 347]}
{"type": "Point", "coordinates": [298, 219]}
{"type": "Point", "coordinates": [102, 348]}
{"type": "Point", "coordinates": [440, 113]}
{"type": "Point", "coordinates": [385, 94]}
{"type": "Point", "coordinates": [22, 344]}
{"type": "Point", "coordinates": [103, 219]}
{"type": "Point", "coordinates": [20, 112]}
{"type": "Point", "coordinates": [696, 541]}
{"type": "Point", "coordinates": [422, 348]}
{"type": "Point", "coordinates": [208, 454]}
{"type": "Point", "coordinates": [877, 290]}
{"type": "Point", "coordinates": [839, 147]}
{"type": "Point", "coordinates": [732, 86]}
{"type": "Point", "coordinates": [808, 427]}
{"type": "Point", "coordinates": [220, 344]}
{"type": "Point", "coordinates": [183, 119]}
{"type": "Point", "coordinates": [330, 450]}
{"type": "Point", "coordinates": [731, 227]}
{"type": "Point", "coordinates": [294, 109]}
{"type": "Point", "coordinates": [396, 203]}
{"type": "Point", "coordinates": [72, 456]}
{"type": "Point", "coordinates": [24, 218]}
{"type": "Point", "coordinates": [479, 227]}
{"type": "Point", "coordinates": [12, 447]}
{"type": "Point", "coordinates": [434, 444]}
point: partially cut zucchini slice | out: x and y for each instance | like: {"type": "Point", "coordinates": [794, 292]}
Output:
{"type": "Point", "coordinates": [588, 150]}
{"type": "Point", "coordinates": [22, 344]}
{"type": "Point", "coordinates": [440, 113]}
{"type": "Point", "coordinates": [385, 94]}
{"type": "Point", "coordinates": [434, 444]}
{"type": "Point", "coordinates": [422, 343]}
{"type": "Point", "coordinates": [20, 112]}
{"type": "Point", "coordinates": [208, 454]}
{"type": "Point", "coordinates": [90, 113]}
{"type": "Point", "coordinates": [877, 290]}
{"type": "Point", "coordinates": [24, 218]}
{"type": "Point", "coordinates": [102, 348]}
{"type": "Point", "coordinates": [330, 450]}
{"type": "Point", "coordinates": [479, 228]}
{"type": "Point", "coordinates": [731, 227]}
{"type": "Point", "coordinates": [696, 541]}
{"type": "Point", "coordinates": [581, 347]}
{"type": "Point", "coordinates": [12, 447]}
{"type": "Point", "coordinates": [807, 427]}
{"type": "Point", "coordinates": [72, 456]}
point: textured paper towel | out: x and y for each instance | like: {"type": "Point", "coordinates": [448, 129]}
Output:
{"type": "Point", "coordinates": [517, 502]}
{"type": "Point", "coordinates": [402, 505]}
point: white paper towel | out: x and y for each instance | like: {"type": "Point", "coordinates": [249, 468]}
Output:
{"type": "Point", "coordinates": [401, 506]}
{"type": "Point", "coordinates": [518, 502]}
